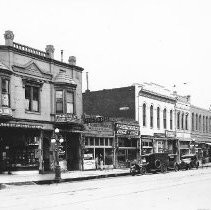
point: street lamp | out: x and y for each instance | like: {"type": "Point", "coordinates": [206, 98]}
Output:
{"type": "Point", "coordinates": [57, 141]}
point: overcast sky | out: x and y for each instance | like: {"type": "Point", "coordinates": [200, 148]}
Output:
{"type": "Point", "coordinates": [121, 42]}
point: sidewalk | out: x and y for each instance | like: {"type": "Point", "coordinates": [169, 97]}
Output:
{"type": "Point", "coordinates": [33, 177]}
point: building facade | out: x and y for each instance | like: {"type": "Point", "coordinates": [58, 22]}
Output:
{"type": "Point", "coordinates": [201, 132]}
{"type": "Point", "coordinates": [38, 94]}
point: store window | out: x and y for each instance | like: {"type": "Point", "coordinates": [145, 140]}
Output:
{"type": "Point", "coordinates": [5, 92]}
{"type": "Point", "coordinates": [164, 118]}
{"type": "Point", "coordinates": [32, 101]}
{"type": "Point", "coordinates": [158, 117]}
{"type": "Point", "coordinates": [64, 102]}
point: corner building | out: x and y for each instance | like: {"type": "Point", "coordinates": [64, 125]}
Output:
{"type": "Point", "coordinates": [37, 95]}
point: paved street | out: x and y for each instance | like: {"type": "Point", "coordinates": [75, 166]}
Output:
{"type": "Point", "coordinates": [189, 190]}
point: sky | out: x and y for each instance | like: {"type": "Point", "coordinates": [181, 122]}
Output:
{"type": "Point", "coordinates": [121, 42]}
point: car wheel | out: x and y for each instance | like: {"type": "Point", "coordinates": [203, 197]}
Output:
{"type": "Point", "coordinates": [143, 170]}
{"type": "Point", "coordinates": [157, 163]}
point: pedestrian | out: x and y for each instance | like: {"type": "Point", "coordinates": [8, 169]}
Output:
{"type": "Point", "coordinates": [96, 162]}
{"type": "Point", "coordinates": [101, 162]}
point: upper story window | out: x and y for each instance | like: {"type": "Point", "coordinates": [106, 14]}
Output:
{"type": "Point", "coordinates": [206, 124]}
{"type": "Point", "coordinates": [182, 121]}
{"type": "Point", "coordinates": [158, 117]}
{"type": "Point", "coordinates": [144, 114]}
{"type": "Point", "coordinates": [178, 120]}
{"type": "Point", "coordinates": [203, 124]}
{"type": "Point", "coordinates": [164, 118]}
{"type": "Point", "coordinates": [64, 102]}
{"type": "Point", "coordinates": [199, 122]}
{"type": "Point", "coordinates": [186, 121]}
{"type": "Point", "coordinates": [151, 116]}
{"type": "Point", "coordinates": [171, 119]}
{"type": "Point", "coordinates": [5, 92]}
{"type": "Point", "coordinates": [210, 124]}
{"type": "Point", "coordinates": [192, 125]}
{"type": "Point", "coordinates": [32, 98]}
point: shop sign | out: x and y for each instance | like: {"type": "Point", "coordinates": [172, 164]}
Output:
{"type": "Point", "coordinates": [146, 137]}
{"type": "Point", "coordinates": [66, 118]}
{"type": "Point", "coordinates": [170, 134]}
{"type": "Point", "coordinates": [94, 119]}
{"type": "Point", "coordinates": [6, 111]}
{"type": "Point", "coordinates": [159, 135]}
{"type": "Point", "coordinates": [20, 125]}
{"type": "Point", "coordinates": [126, 129]}
{"type": "Point", "coordinates": [99, 129]}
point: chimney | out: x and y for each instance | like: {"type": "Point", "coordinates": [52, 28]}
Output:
{"type": "Point", "coordinates": [87, 82]}
{"type": "Point", "coordinates": [61, 55]}
{"type": "Point", "coordinates": [8, 36]}
{"type": "Point", "coordinates": [72, 60]}
{"type": "Point", "coordinates": [50, 51]}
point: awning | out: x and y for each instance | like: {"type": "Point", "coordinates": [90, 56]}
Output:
{"type": "Point", "coordinates": [21, 125]}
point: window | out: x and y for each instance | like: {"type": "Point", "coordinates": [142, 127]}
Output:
{"type": "Point", "coordinates": [151, 116]}
{"type": "Point", "coordinates": [197, 122]}
{"type": "Point", "coordinates": [203, 124]}
{"type": "Point", "coordinates": [206, 124]}
{"type": "Point", "coordinates": [192, 121]}
{"type": "Point", "coordinates": [186, 121]}
{"type": "Point", "coordinates": [171, 119]}
{"type": "Point", "coordinates": [59, 101]}
{"type": "Point", "coordinates": [70, 103]}
{"type": "Point", "coordinates": [164, 118]}
{"type": "Point", "coordinates": [5, 96]}
{"type": "Point", "coordinates": [178, 120]}
{"type": "Point", "coordinates": [182, 121]}
{"type": "Point", "coordinates": [144, 114]}
{"type": "Point", "coordinates": [210, 124]}
{"type": "Point", "coordinates": [64, 102]}
{"type": "Point", "coordinates": [32, 94]}
{"type": "Point", "coordinates": [158, 117]}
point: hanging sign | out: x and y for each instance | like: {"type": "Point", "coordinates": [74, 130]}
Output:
{"type": "Point", "coordinates": [127, 129]}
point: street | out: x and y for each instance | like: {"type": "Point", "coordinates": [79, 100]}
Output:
{"type": "Point", "coordinates": [189, 190]}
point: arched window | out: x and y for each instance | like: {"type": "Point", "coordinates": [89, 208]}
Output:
{"type": "Point", "coordinates": [151, 116]}
{"type": "Point", "coordinates": [186, 121]}
{"type": "Point", "coordinates": [171, 119]}
{"type": "Point", "coordinates": [178, 120]}
{"type": "Point", "coordinates": [197, 122]}
{"type": "Point", "coordinates": [203, 124]}
{"type": "Point", "coordinates": [192, 125]}
{"type": "Point", "coordinates": [200, 123]}
{"type": "Point", "coordinates": [182, 121]}
{"type": "Point", "coordinates": [144, 114]}
{"type": "Point", "coordinates": [164, 118]}
{"type": "Point", "coordinates": [206, 124]}
{"type": "Point", "coordinates": [158, 117]}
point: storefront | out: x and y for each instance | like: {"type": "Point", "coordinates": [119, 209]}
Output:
{"type": "Point", "coordinates": [146, 144]}
{"type": "Point", "coordinates": [166, 142]}
{"type": "Point", "coordinates": [98, 145]}
{"type": "Point", "coordinates": [70, 150]}
{"type": "Point", "coordinates": [20, 146]}
{"type": "Point", "coordinates": [127, 143]}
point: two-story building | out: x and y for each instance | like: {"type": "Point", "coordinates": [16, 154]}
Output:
{"type": "Point", "coordinates": [38, 94]}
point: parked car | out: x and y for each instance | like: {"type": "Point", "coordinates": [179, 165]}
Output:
{"type": "Point", "coordinates": [137, 168]}
{"type": "Point", "coordinates": [189, 161]}
{"type": "Point", "coordinates": [173, 162]}
{"type": "Point", "coordinates": [156, 162]}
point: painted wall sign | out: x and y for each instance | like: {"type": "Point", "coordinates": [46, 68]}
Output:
{"type": "Point", "coordinates": [126, 129]}
{"type": "Point", "coordinates": [99, 129]}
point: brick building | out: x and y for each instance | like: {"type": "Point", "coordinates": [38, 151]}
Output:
{"type": "Point", "coordinates": [38, 94]}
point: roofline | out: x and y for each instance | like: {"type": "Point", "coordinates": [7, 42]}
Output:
{"type": "Point", "coordinates": [50, 60]}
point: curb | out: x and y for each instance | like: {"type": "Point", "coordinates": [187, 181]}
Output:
{"type": "Point", "coordinates": [42, 182]}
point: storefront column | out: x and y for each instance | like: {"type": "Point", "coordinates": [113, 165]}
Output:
{"type": "Point", "coordinates": [40, 149]}
{"type": "Point", "coordinates": [115, 151]}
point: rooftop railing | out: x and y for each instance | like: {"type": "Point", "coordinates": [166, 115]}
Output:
{"type": "Point", "coordinates": [29, 49]}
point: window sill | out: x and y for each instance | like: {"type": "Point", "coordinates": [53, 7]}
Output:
{"type": "Point", "coordinates": [31, 112]}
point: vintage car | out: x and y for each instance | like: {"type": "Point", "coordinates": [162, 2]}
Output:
{"type": "Point", "coordinates": [189, 161]}
{"type": "Point", "coordinates": [137, 168]}
{"type": "Point", "coordinates": [160, 162]}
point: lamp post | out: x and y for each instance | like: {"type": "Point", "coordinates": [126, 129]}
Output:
{"type": "Point", "coordinates": [57, 141]}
